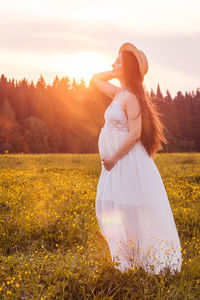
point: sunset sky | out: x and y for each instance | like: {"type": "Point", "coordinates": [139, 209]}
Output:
{"type": "Point", "coordinates": [78, 38]}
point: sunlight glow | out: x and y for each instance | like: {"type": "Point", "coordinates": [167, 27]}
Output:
{"type": "Point", "coordinates": [82, 64]}
{"type": "Point", "coordinates": [77, 38]}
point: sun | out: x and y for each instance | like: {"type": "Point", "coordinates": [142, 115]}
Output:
{"type": "Point", "coordinates": [82, 65]}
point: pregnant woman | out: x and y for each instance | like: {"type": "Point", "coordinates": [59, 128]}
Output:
{"type": "Point", "coordinates": [132, 206]}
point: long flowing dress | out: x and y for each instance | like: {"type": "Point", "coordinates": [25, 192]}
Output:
{"type": "Point", "coordinates": [132, 206]}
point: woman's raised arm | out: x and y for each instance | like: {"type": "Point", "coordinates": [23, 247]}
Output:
{"type": "Point", "coordinates": [100, 80]}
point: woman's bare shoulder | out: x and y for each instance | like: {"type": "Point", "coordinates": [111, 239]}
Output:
{"type": "Point", "coordinates": [129, 96]}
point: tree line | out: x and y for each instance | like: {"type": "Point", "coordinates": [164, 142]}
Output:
{"type": "Point", "coordinates": [66, 117]}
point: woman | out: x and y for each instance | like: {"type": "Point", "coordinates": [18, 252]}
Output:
{"type": "Point", "coordinates": [132, 207]}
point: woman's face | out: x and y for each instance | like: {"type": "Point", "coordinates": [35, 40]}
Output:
{"type": "Point", "coordinates": [118, 67]}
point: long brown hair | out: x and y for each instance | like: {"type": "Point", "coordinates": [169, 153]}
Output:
{"type": "Point", "coordinates": [152, 128]}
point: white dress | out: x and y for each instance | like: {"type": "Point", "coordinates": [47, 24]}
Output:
{"type": "Point", "coordinates": [132, 207]}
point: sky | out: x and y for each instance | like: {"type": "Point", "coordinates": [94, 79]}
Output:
{"type": "Point", "coordinates": [79, 38]}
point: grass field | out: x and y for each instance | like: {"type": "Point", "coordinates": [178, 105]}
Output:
{"type": "Point", "coordinates": [50, 242]}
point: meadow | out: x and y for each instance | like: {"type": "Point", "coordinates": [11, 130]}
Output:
{"type": "Point", "coordinates": [51, 246]}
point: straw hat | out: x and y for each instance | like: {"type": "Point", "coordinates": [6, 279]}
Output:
{"type": "Point", "coordinates": [142, 60]}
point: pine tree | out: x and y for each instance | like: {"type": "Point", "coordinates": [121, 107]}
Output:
{"type": "Point", "coordinates": [7, 111]}
{"type": "Point", "coordinates": [7, 126]}
{"type": "Point", "coordinates": [74, 86]}
{"type": "Point", "coordinates": [41, 84]}
{"type": "Point", "coordinates": [168, 97]}
{"type": "Point", "coordinates": [82, 85]}
{"type": "Point", "coordinates": [3, 80]}
{"type": "Point", "coordinates": [152, 94]}
{"type": "Point", "coordinates": [159, 94]}
{"type": "Point", "coordinates": [56, 82]}
{"type": "Point", "coordinates": [64, 84]}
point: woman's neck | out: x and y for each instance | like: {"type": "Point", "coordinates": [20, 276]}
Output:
{"type": "Point", "coordinates": [123, 87]}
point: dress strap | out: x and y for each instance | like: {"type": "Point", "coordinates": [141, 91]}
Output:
{"type": "Point", "coordinates": [115, 100]}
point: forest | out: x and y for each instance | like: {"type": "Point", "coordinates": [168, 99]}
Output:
{"type": "Point", "coordinates": [66, 117]}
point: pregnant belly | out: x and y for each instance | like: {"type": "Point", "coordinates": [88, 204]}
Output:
{"type": "Point", "coordinates": [109, 141]}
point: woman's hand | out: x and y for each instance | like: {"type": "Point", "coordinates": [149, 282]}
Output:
{"type": "Point", "coordinates": [108, 163]}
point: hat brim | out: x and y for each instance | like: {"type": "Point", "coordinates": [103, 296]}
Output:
{"type": "Point", "coordinates": [142, 60]}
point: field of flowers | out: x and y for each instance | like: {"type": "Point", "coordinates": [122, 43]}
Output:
{"type": "Point", "coordinates": [50, 242]}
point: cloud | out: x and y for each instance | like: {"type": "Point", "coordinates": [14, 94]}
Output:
{"type": "Point", "coordinates": [176, 51]}
{"type": "Point", "coordinates": [45, 36]}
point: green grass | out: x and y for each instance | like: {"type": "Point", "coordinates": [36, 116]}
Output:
{"type": "Point", "coordinates": [50, 242]}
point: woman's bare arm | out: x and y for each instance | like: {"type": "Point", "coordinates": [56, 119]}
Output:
{"type": "Point", "coordinates": [100, 80]}
{"type": "Point", "coordinates": [135, 127]}
{"type": "Point", "coordinates": [105, 76]}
